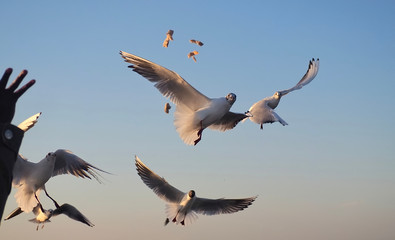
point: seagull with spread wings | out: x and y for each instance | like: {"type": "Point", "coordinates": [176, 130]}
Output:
{"type": "Point", "coordinates": [43, 215]}
{"type": "Point", "coordinates": [263, 112]}
{"type": "Point", "coordinates": [29, 178]}
{"type": "Point", "coordinates": [194, 111]}
{"type": "Point", "coordinates": [183, 206]}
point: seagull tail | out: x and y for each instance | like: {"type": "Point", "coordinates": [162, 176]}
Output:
{"type": "Point", "coordinates": [186, 125]}
{"type": "Point", "coordinates": [25, 198]}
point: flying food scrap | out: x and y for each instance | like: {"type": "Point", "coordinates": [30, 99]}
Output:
{"type": "Point", "coordinates": [167, 107]}
{"type": "Point", "coordinates": [169, 36]}
{"type": "Point", "coordinates": [192, 54]}
{"type": "Point", "coordinates": [196, 42]}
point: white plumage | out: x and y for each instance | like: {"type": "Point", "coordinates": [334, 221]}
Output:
{"type": "Point", "coordinates": [29, 178]}
{"type": "Point", "coordinates": [194, 111]}
{"type": "Point", "coordinates": [263, 112]}
{"type": "Point", "coordinates": [182, 207]}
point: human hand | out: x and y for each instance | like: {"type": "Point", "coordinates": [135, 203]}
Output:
{"type": "Point", "coordinates": [9, 97]}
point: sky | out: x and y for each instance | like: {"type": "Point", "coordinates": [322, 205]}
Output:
{"type": "Point", "coordinates": [329, 174]}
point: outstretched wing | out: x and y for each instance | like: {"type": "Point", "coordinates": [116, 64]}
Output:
{"type": "Point", "coordinates": [69, 163]}
{"type": "Point", "coordinates": [72, 213]}
{"type": "Point", "coordinates": [29, 123]}
{"type": "Point", "coordinates": [158, 184]}
{"type": "Point", "coordinates": [307, 78]}
{"type": "Point", "coordinates": [21, 170]}
{"type": "Point", "coordinates": [169, 83]}
{"type": "Point", "coordinates": [228, 121]}
{"type": "Point", "coordinates": [220, 206]}
{"type": "Point", "coordinates": [14, 213]}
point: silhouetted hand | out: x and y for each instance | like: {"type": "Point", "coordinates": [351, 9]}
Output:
{"type": "Point", "coordinates": [9, 97]}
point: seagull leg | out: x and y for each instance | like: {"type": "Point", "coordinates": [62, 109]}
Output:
{"type": "Point", "coordinates": [199, 133]}
{"type": "Point", "coordinates": [37, 199]}
{"type": "Point", "coordinates": [261, 126]}
{"type": "Point", "coordinates": [53, 200]}
{"type": "Point", "coordinates": [167, 221]}
{"type": "Point", "coordinates": [183, 222]}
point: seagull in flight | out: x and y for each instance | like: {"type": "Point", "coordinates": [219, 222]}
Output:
{"type": "Point", "coordinates": [184, 206]}
{"type": "Point", "coordinates": [263, 112]}
{"type": "Point", "coordinates": [29, 178]}
{"type": "Point", "coordinates": [43, 216]}
{"type": "Point", "coordinates": [194, 111]}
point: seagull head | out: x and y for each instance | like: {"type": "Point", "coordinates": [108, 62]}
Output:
{"type": "Point", "coordinates": [277, 95]}
{"type": "Point", "coordinates": [191, 194]}
{"type": "Point", "coordinates": [51, 157]}
{"type": "Point", "coordinates": [231, 98]}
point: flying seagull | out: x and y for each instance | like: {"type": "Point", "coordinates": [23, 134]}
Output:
{"type": "Point", "coordinates": [184, 206]}
{"type": "Point", "coordinates": [263, 112]}
{"type": "Point", "coordinates": [43, 216]}
{"type": "Point", "coordinates": [194, 111]}
{"type": "Point", "coordinates": [29, 178]}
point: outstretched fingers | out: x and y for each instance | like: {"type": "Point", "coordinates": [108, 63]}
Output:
{"type": "Point", "coordinates": [24, 88]}
{"type": "Point", "coordinates": [5, 77]}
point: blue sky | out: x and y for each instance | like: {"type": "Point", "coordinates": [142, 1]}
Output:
{"type": "Point", "coordinates": [329, 174]}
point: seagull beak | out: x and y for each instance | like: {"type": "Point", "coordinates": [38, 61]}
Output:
{"type": "Point", "coordinates": [248, 114]}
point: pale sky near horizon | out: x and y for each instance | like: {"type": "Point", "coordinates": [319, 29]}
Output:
{"type": "Point", "coordinates": [329, 174]}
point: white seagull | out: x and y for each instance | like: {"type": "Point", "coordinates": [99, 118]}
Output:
{"type": "Point", "coordinates": [184, 206]}
{"type": "Point", "coordinates": [194, 111]}
{"type": "Point", "coordinates": [30, 122]}
{"type": "Point", "coordinates": [29, 178]}
{"type": "Point", "coordinates": [43, 216]}
{"type": "Point", "coordinates": [263, 112]}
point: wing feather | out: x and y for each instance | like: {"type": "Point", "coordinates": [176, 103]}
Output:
{"type": "Point", "coordinates": [158, 184]}
{"type": "Point", "coordinates": [228, 121]}
{"type": "Point", "coordinates": [307, 78]}
{"type": "Point", "coordinates": [69, 163]}
{"type": "Point", "coordinates": [221, 206]}
{"type": "Point", "coordinates": [29, 123]}
{"type": "Point", "coordinates": [169, 83]}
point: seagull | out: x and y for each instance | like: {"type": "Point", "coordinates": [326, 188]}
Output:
{"type": "Point", "coordinates": [194, 111]}
{"type": "Point", "coordinates": [263, 112]}
{"type": "Point", "coordinates": [43, 216]}
{"type": "Point", "coordinates": [29, 123]}
{"type": "Point", "coordinates": [29, 178]}
{"type": "Point", "coordinates": [184, 206]}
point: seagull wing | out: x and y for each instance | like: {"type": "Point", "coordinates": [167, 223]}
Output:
{"type": "Point", "coordinates": [29, 123]}
{"type": "Point", "coordinates": [169, 83]}
{"type": "Point", "coordinates": [220, 206]}
{"type": "Point", "coordinates": [72, 213]}
{"type": "Point", "coordinates": [228, 121]}
{"type": "Point", "coordinates": [158, 184]}
{"type": "Point", "coordinates": [14, 213]}
{"type": "Point", "coordinates": [307, 78]}
{"type": "Point", "coordinates": [261, 113]}
{"type": "Point", "coordinates": [69, 163]}
{"type": "Point", "coordinates": [22, 170]}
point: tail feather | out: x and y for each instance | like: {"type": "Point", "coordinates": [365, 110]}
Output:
{"type": "Point", "coordinates": [25, 198]}
{"type": "Point", "coordinates": [186, 124]}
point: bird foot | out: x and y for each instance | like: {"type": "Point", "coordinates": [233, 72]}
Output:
{"type": "Point", "coordinates": [174, 220]}
{"type": "Point", "coordinates": [183, 222]}
{"type": "Point", "coordinates": [197, 140]}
